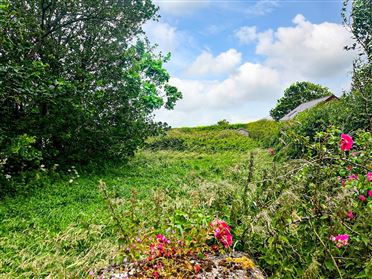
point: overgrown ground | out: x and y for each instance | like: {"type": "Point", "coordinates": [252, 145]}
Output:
{"type": "Point", "coordinates": [64, 229]}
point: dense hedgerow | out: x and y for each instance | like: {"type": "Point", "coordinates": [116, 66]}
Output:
{"type": "Point", "coordinates": [197, 140]}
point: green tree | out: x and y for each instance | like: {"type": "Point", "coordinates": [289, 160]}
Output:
{"type": "Point", "coordinates": [78, 79]}
{"type": "Point", "coordinates": [358, 20]}
{"type": "Point", "coordinates": [296, 94]}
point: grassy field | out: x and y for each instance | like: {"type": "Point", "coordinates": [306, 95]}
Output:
{"type": "Point", "coordinates": [65, 229]}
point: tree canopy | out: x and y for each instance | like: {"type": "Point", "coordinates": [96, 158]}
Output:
{"type": "Point", "coordinates": [296, 94]}
{"type": "Point", "coordinates": [78, 79]}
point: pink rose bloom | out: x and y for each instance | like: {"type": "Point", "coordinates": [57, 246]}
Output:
{"type": "Point", "coordinates": [340, 240]}
{"type": "Point", "coordinates": [350, 214]}
{"type": "Point", "coordinates": [369, 176]}
{"type": "Point", "coordinates": [362, 198]}
{"type": "Point", "coordinates": [222, 232]}
{"type": "Point", "coordinates": [370, 193]}
{"type": "Point", "coordinates": [346, 142]}
{"type": "Point", "coordinates": [353, 177]}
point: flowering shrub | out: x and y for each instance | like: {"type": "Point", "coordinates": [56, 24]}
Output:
{"type": "Point", "coordinates": [222, 232]}
{"type": "Point", "coordinates": [301, 215]}
{"type": "Point", "coordinates": [346, 142]}
{"type": "Point", "coordinates": [340, 240]}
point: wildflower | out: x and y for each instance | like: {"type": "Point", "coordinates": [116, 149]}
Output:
{"type": "Point", "coordinates": [346, 142]}
{"type": "Point", "coordinates": [362, 198]}
{"type": "Point", "coordinates": [340, 240]}
{"type": "Point", "coordinates": [222, 232]}
{"type": "Point", "coordinates": [349, 168]}
{"type": "Point", "coordinates": [370, 193]}
{"type": "Point", "coordinates": [369, 176]}
{"type": "Point", "coordinates": [8, 176]}
{"type": "Point", "coordinates": [350, 214]}
{"type": "Point", "coordinates": [197, 268]}
{"type": "Point", "coordinates": [162, 238]}
{"type": "Point", "coordinates": [353, 177]}
{"type": "Point", "coordinates": [271, 151]}
{"type": "Point", "coordinates": [70, 181]}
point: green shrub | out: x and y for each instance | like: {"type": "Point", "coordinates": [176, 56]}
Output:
{"type": "Point", "coordinates": [213, 140]}
{"type": "Point", "coordinates": [266, 132]}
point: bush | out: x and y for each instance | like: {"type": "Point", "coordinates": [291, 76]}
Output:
{"type": "Point", "coordinates": [214, 140]}
{"type": "Point", "coordinates": [296, 214]}
{"type": "Point", "coordinates": [266, 132]}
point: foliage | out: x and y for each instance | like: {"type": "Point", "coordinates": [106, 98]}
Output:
{"type": "Point", "coordinates": [215, 140]}
{"type": "Point", "coordinates": [266, 132]}
{"type": "Point", "coordinates": [78, 80]}
{"type": "Point", "coordinates": [65, 229]}
{"type": "Point", "coordinates": [296, 94]}
{"type": "Point", "coordinates": [296, 213]}
{"type": "Point", "coordinates": [359, 23]}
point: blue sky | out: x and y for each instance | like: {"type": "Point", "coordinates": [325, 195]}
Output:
{"type": "Point", "coordinates": [233, 59]}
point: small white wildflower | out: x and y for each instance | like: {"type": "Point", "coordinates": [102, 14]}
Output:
{"type": "Point", "coordinates": [70, 181]}
{"type": "Point", "coordinates": [8, 176]}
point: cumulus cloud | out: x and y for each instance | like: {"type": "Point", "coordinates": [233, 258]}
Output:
{"type": "Point", "coordinates": [166, 36]}
{"type": "Point", "coordinates": [246, 85]}
{"type": "Point", "coordinates": [303, 51]}
{"type": "Point", "coordinates": [180, 7]}
{"type": "Point", "coordinates": [312, 50]}
{"type": "Point", "coordinates": [206, 64]}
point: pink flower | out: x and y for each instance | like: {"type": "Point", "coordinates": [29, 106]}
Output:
{"type": "Point", "coordinates": [353, 177]}
{"type": "Point", "coordinates": [362, 198]}
{"type": "Point", "coordinates": [340, 240]}
{"type": "Point", "coordinates": [222, 232]}
{"type": "Point", "coordinates": [369, 176]}
{"type": "Point", "coordinates": [370, 193]}
{"type": "Point", "coordinates": [346, 142]}
{"type": "Point", "coordinates": [350, 214]}
{"type": "Point", "coordinates": [271, 151]}
{"type": "Point", "coordinates": [161, 238]}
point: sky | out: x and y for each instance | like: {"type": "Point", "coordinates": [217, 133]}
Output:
{"type": "Point", "coordinates": [233, 59]}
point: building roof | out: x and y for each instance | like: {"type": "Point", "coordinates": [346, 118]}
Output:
{"type": "Point", "coordinates": [306, 106]}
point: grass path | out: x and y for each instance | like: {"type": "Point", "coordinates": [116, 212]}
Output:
{"type": "Point", "coordinates": [64, 229]}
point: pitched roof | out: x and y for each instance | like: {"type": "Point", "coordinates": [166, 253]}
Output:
{"type": "Point", "coordinates": [306, 106]}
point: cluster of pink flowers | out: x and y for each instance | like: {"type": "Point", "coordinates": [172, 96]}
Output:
{"type": "Point", "coordinates": [340, 240]}
{"type": "Point", "coordinates": [160, 249]}
{"type": "Point", "coordinates": [346, 142]}
{"type": "Point", "coordinates": [222, 232]}
{"type": "Point", "coordinates": [369, 176]}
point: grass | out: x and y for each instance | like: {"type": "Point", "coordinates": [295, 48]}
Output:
{"type": "Point", "coordinates": [65, 229]}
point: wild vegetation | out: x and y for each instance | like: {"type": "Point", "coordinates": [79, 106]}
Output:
{"type": "Point", "coordinates": [295, 196]}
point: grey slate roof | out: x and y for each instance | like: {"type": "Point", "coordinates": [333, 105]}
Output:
{"type": "Point", "coordinates": [306, 106]}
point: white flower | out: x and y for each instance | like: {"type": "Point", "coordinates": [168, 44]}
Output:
{"type": "Point", "coordinates": [8, 176]}
{"type": "Point", "coordinates": [70, 181]}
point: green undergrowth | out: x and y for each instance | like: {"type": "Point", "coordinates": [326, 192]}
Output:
{"type": "Point", "coordinates": [64, 229]}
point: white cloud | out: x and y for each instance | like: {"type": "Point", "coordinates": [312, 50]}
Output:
{"type": "Point", "coordinates": [206, 101]}
{"type": "Point", "coordinates": [262, 7]}
{"type": "Point", "coordinates": [206, 64]}
{"type": "Point", "coordinates": [304, 51]}
{"type": "Point", "coordinates": [180, 7]}
{"type": "Point", "coordinates": [163, 34]}
{"type": "Point", "coordinates": [246, 34]}
{"type": "Point", "coordinates": [307, 49]}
